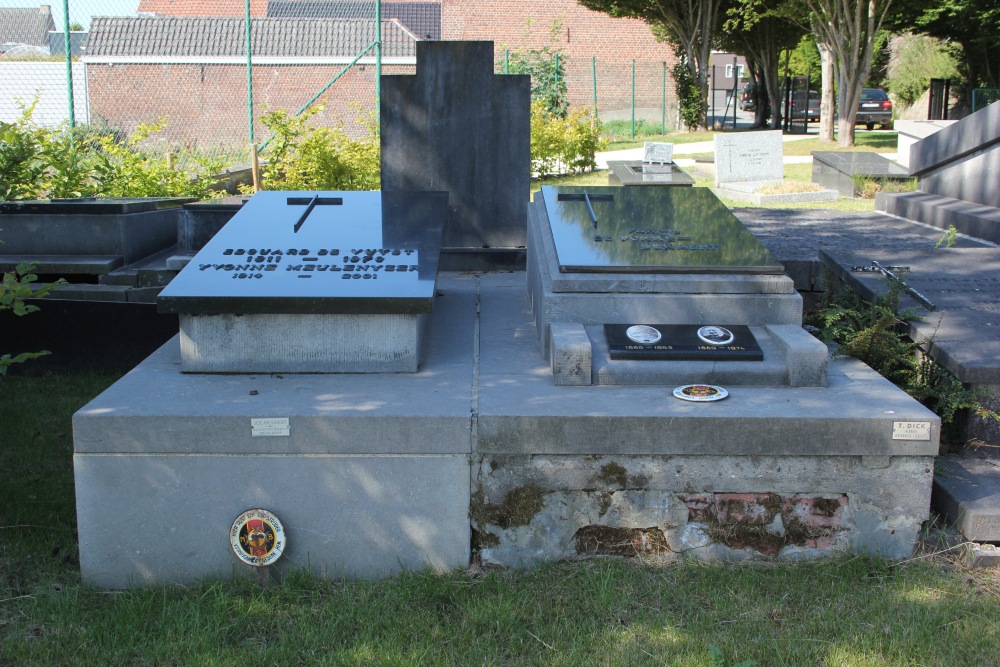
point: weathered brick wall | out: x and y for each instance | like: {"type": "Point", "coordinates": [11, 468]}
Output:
{"type": "Point", "coordinates": [205, 106]}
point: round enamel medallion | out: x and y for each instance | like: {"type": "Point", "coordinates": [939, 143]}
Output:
{"type": "Point", "coordinates": [257, 537]}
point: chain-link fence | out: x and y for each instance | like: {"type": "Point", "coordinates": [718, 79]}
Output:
{"type": "Point", "coordinates": [210, 71]}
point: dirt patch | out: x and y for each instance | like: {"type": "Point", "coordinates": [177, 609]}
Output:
{"type": "Point", "coordinates": [629, 542]}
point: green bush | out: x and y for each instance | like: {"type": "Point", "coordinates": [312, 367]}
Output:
{"type": "Point", "coordinates": [560, 145]}
{"type": "Point", "coordinates": [38, 163]}
{"type": "Point", "coordinates": [15, 288]}
{"type": "Point", "coordinates": [304, 157]}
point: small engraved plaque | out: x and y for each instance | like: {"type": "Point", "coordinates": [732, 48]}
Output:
{"type": "Point", "coordinates": [270, 427]}
{"type": "Point", "coordinates": [911, 430]}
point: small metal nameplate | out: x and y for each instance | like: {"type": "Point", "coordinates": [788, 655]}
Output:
{"type": "Point", "coordinates": [270, 427]}
{"type": "Point", "coordinates": [911, 430]}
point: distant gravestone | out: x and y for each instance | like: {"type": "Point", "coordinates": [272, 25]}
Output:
{"type": "Point", "coordinates": [457, 127]}
{"type": "Point", "coordinates": [657, 152]}
{"type": "Point", "coordinates": [748, 158]}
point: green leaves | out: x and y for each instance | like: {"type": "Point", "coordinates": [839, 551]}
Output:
{"type": "Point", "coordinates": [15, 287]}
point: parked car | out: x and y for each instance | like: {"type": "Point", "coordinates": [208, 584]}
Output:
{"type": "Point", "coordinates": [748, 98]}
{"type": "Point", "coordinates": [807, 108]}
{"type": "Point", "coordinates": [874, 109]}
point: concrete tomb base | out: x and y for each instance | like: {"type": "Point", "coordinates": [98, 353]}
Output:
{"type": "Point", "coordinates": [372, 474]}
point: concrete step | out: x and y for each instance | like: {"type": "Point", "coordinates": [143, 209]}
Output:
{"type": "Point", "coordinates": [982, 222]}
{"type": "Point", "coordinates": [64, 264]}
{"type": "Point", "coordinates": [967, 492]}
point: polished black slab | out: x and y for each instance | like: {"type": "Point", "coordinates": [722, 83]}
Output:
{"type": "Point", "coordinates": [650, 230]}
{"type": "Point", "coordinates": [318, 252]}
{"type": "Point", "coordinates": [636, 172]}
{"type": "Point", "coordinates": [93, 205]}
{"type": "Point", "coordinates": [681, 342]}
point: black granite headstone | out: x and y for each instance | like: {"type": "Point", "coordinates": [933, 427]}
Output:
{"type": "Point", "coordinates": [317, 252]}
{"type": "Point", "coordinates": [650, 230]}
{"type": "Point", "coordinates": [682, 342]}
{"type": "Point", "coordinates": [456, 126]}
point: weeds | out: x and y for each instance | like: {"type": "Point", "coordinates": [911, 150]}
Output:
{"type": "Point", "coordinates": [873, 331]}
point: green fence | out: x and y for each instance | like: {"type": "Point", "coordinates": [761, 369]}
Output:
{"type": "Point", "coordinates": [210, 80]}
{"type": "Point", "coordinates": [983, 97]}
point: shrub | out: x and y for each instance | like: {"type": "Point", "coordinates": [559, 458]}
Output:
{"type": "Point", "coordinates": [15, 288]}
{"type": "Point", "coordinates": [560, 145]}
{"type": "Point", "coordinates": [21, 166]}
{"type": "Point", "coordinates": [305, 157]}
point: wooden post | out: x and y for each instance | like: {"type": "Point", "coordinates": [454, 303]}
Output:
{"type": "Point", "coordinates": [255, 167]}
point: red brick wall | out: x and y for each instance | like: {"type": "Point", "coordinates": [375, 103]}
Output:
{"type": "Point", "coordinates": [582, 35]}
{"type": "Point", "coordinates": [258, 8]}
{"type": "Point", "coordinates": [206, 105]}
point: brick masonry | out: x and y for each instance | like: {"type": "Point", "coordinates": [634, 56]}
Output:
{"type": "Point", "coordinates": [205, 105]}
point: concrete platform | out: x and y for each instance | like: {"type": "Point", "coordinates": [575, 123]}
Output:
{"type": "Point", "coordinates": [379, 473]}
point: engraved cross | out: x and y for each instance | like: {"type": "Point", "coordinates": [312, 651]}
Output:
{"type": "Point", "coordinates": [586, 197]}
{"type": "Point", "coordinates": [310, 203]}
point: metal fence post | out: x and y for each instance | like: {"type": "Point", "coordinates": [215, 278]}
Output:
{"type": "Point", "coordinates": [593, 74]}
{"type": "Point", "coordinates": [249, 72]}
{"type": "Point", "coordinates": [69, 65]}
{"type": "Point", "coordinates": [663, 102]}
{"type": "Point", "coordinates": [378, 58]}
{"type": "Point", "coordinates": [506, 61]}
{"type": "Point", "coordinates": [633, 98]}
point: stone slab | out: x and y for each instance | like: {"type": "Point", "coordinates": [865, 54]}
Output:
{"type": "Point", "coordinates": [317, 252]}
{"type": "Point", "coordinates": [649, 230]}
{"type": "Point", "coordinates": [657, 152]}
{"type": "Point", "coordinates": [974, 138]}
{"type": "Point", "coordinates": [542, 248]}
{"type": "Point", "coordinates": [837, 170]}
{"type": "Point", "coordinates": [635, 172]}
{"type": "Point", "coordinates": [133, 231]}
{"type": "Point", "coordinates": [749, 156]}
{"type": "Point", "coordinates": [967, 492]}
{"type": "Point", "coordinates": [291, 343]}
{"type": "Point", "coordinates": [909, 132]}
{"type": "Point", "coordinates": [961, 283]}
{"type": "Point", "coordinates": [64, 264]}
{"type": "Point", "coordinates": [571, 354]}
{"type": "Point", "coordinates": [456, 126]}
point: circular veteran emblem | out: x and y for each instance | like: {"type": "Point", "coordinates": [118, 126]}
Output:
{"type": "Point", "coordinates": [257, 537]}
{"type": "Point", "coordinates": [714, 335]}
{"type": "Point", "coordinates": [700, 393]}
{"type": "Point", "coordinates": [642, 333]}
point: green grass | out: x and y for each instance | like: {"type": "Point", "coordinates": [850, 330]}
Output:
{"type": "Point", "coordinates": [852, 610]}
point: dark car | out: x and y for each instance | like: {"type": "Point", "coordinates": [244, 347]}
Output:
{"type": "Point", "coordinates": [806, 107]}
{"type": "Point", "coordinates": [874, 109]}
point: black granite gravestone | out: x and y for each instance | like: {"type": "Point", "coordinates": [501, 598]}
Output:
{"type": "Point", "coordinates": [650, 230]}
{"type": "Point", "coordinates": [318, 252]}
{"type": "Point", "coordinates": [456, 126]}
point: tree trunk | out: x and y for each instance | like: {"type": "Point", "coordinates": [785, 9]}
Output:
{"type": "Point", "coordinates": [827, 102]}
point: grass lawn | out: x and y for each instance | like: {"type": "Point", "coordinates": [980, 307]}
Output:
{"type": "Point", "coordinates": [852, 610]}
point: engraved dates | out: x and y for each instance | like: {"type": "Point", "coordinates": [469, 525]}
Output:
{"type": "Point", "coordinates": [354, 263]}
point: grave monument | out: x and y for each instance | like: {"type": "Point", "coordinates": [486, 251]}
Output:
{"type": "Point", "coordinates": [656, 168]}
{"type": "Point", "coordinates": [543, 419]}
{"type": "Point", "coordinates": [748, 164]}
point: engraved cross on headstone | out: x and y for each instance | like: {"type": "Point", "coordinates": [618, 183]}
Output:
{"type": "Point", "coordinates": [310, 203]}
{"type": "Point", "coordinates": [586, 197]}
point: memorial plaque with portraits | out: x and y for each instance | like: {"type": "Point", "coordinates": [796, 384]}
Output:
{"type": "Point", "coordinates": [682, 342]}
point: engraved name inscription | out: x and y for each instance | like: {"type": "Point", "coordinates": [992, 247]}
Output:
{"type": "Point", "coordinates": [253, 263]}
{"type": "Point", "coordinates": [657, 239]}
